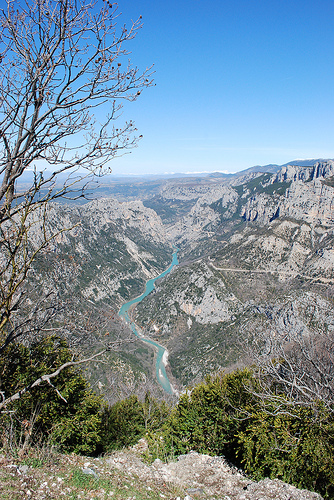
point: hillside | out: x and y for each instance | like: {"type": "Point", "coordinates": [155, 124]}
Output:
{"type": "Point", "coordinates": [103, 258]}
{"type": "Point", "coordinates": [256, 259]}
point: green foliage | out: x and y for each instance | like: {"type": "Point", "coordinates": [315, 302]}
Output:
{"type": "Point", "coordinates": [296, 447]}
{"type": "Point", "coordinates": [260, 184]}
{"type": "Point", "coordinates": [127, 421]}
{"type": "Point", "coordinates": [209, 418]}
{"type": "Point", "coordinates": [67, 413]}
{"type": "Point", "coordinates": [329, 181]}
{"type": "Point", "coordinates": [268, 437]}
{"type": "Point", "coordinates": [73, 423]}
{"type": "Point", "coordinates": [158, 448]}
{"type": "Point", "coordinates": [86, 482]}
{"type": "Point", "coordinates": [79, 431]}
{"type": "Point", "coordinates": [155, 412]}
{"type": "Point", "coordinates": [123, 423]}
{"type": "Point", "coordinates": [34, 462]}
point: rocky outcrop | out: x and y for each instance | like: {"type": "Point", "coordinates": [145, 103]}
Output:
{"type": "Point", "coordinates": [123, 216]}
{"type": "Point", "coordinates": [261, 208]}
{"type": "Point", "coordinates": [309, 197]}
{"type": "Point", "coordinates": [320, 170]}
{"type": "Point", "coordinates": [213, 476]}
{"type": "Point", "coordinates": [203, 219]}
{"type": "Point", "coordinates": [124, 473]}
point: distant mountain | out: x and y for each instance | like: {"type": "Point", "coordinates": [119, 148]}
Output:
{"type": "Point", "coordinates": [105, 185]}
{"type": "Point", "coordinates": [271, 168]}
{"type": "Point", "coordinates": [306, 163]}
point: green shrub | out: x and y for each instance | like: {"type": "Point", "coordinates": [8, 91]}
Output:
{"type": "Point", "coordinates": [295, 446]}
{"type": "Point", "coordinates": [208, 418]}
{"type": "Point", "coordinates": [123, 423]}
{"type": "Point", "coordinates": [267, 436]}
{"type": "Point", "coordinates": [40, 415]}
{"type": "Point", "coordinates": [130, 419]}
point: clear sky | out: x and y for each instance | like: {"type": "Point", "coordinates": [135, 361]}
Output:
{"type": "Point", "coordinates": [238, 83]}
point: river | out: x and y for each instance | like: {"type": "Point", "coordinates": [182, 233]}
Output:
{"type": "Point", "coordinates": [161, 351]}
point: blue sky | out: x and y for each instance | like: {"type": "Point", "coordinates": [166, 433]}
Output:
{"type": "Point", "coordinates": [238, 83]}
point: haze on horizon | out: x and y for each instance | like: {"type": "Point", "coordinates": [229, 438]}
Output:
{"type": "Point", "coordinates": [238, 84]}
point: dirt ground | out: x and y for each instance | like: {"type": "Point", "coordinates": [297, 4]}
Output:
{"type": "Point", "coordinates": [124, 475]}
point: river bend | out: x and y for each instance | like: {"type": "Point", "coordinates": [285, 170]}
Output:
{"type": "Point", "coordinates": [161, 351]}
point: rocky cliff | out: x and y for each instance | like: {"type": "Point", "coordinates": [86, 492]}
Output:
{"type": "Point", "coordinates": [309, 196]}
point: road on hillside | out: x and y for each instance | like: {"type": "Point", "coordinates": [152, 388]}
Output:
{"type": "Point", "coordinates": [264, 271]}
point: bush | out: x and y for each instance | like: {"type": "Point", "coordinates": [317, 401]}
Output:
{"type": "Point", "coordinates": [41, 415]}
{"type": "Point", "coordinates": [130, 419]}
{"type": "Point", "coordinates": [208, 418]}
{"type": "Point", "coordinates": [296, 446]}
{"type": "Point", "coordinates": [268, 437]}
{"type": "Point", "coordinates": [124, 423]}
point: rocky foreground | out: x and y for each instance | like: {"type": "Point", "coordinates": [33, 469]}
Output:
{"type": "Point", "coordinates": [124, 475]}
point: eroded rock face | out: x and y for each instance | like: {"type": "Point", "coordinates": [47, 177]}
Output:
{"type": "Point", "coordinates": [312, 202]}
{"type": "Point", "coordinates": [320, 170]}
{"type": "Point", "coordinates": [308, 198]}
{"type": "Point", "coordinates": [110, 246]}
{"type": "Point", "coordinates": [101, 213]}
{"type": "Point", "coordinates": [203, 220]}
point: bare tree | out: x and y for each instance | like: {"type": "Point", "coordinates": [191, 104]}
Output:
{"type": "Point", "coordinates": [61, 61]}
{"type": "Point", "coordinates": [296, 370]}
{"type": "Point", "coordinates": [64, 76]}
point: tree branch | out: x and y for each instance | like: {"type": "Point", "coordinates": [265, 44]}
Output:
{"type": "Point", "coordinates": [46, 378]}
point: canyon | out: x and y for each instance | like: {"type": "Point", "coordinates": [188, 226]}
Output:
{"type": "Point", "coordinates": [256, 259]}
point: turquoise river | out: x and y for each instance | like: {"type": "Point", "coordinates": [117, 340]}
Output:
{"type": "Point", "coordinates": [124, 313]}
